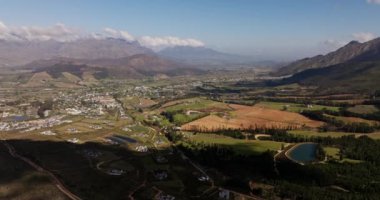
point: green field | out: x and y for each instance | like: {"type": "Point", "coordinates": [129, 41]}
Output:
{"type": "Point", "coordinates": [195, 104]}
{"type": "Point", "coordinates": [240, 146]}
{"type": "Point", "coordinates": [181, 118]}
{"type": "Point", "coordinates": [334, 153]}
{"type": "Point", "coordinates": [294, 107]}
{"type": "Point", "coordinates": [363, 109]}
{"type": "Point", "coordinates": [353, 119]}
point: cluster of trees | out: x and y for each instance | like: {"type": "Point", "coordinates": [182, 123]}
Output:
{"type": "Point", "coordinates": [226, 159]}
{"type": "Point", "coordinates": [237, 133]}
{"type": "Point", "coordinates": [246, 103]}
{"type": "Point", "coordinates": [293, 181]}
{"type": "Point", "coordinates": [306, 101]}
{"type": "Point", "coordinates": [320, 153]}
{"type": "Point", "coordinates": [355, 181]}
{"type": "Point", "coordinates": [370, 116]}
{"type": "Point", "coordinates": [231, 133]}
{"type": "Point", "coordinates": [43, 106]}
{"type": "Point", "coordinates": [362, 148]}
{"type": "Point", "coordinates": [173, 136]}
{"type": "Point", "coordinates": [346, 113]}
{"type": "Point", "coordinates": [335, 124]}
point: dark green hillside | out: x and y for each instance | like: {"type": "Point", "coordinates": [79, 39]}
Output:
{"type": "Point", "coordinates": [352, 52]}
{"type": "Point", "coordinates": [363, 76]}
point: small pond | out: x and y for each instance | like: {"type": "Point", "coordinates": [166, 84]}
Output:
{"type": "Point", "coordinates": [122, 139]}
{"type": "Point", "coordinates": [303, 153]}
{"type": "Point", "coordinates": [17, 118]}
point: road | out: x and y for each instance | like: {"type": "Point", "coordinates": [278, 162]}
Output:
{"type": "Point", "coordinates": [130, 196]}
{"type": "Point", "coordinates": [54, 179]}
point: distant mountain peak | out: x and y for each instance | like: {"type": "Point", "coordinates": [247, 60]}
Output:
{"type": "Point", "coordinates": [353, 51]}
{"type": "Point", "coordinates": [17, 53]}
{"type": "Point", "coordinates": [204, 57]}
{"type": "Point", "coordinates": [353, 42]}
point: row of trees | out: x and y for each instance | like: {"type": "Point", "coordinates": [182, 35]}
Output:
{"type": "Point", "coordinates": [237, 132]}
{"type": "Point", "coordinates": [305, 101]}
{"type": "Point", "coordinates": [335, 124]}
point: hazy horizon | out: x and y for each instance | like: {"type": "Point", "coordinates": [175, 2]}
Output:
{"type": "Point", "coordinates": [269, 30]}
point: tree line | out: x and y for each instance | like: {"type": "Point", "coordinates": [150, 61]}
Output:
{"type": "Point", "coordinates": [334, 124]}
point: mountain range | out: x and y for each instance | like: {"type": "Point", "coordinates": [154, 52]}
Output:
{"type": "Point", "coordinates": [206, 57]}
{"type": "Point", "coordinates": [108, 57]}
{"type": "Point", "coordinates": [352, 52]}
{"type": "Point", "coordinates": [356, 66]}
{"type": "Point", "coordinates": [17, 53]}
{"type": "Point", "coordinates": [135, 66]}
{"type": "Point", "coordinates": [116, 57]}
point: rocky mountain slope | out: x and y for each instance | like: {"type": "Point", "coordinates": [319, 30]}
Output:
{"type": "Point", "coordinates": [205, 57]}
{"type": "Point", "coordinates": [135, 66]}
{"type": "Point", "coordinates": [16, 53]}
{"type": "Point", "coordinates": [352, 52]}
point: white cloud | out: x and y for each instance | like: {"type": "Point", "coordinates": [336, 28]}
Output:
{"type": "Point", "coordinates": [61, 32]}
{"type": "Point", "coordinates": [57, 32]}
{"type": "Point", "coordinates": [155, 43]}
{"type": "Point", "coordinates": [168, 41]}
{"type": "Point", "coordinates": [363, 36]}
{"type": "Point", "coordinates": [331, 43]}
{"type": "Point", "coordinates": [2, 27]}
{"type": "Point", "coordinates": [373, 1]}
{"type": "Point", "coordinates": [119, 34]}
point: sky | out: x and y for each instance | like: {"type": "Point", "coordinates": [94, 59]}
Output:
{"type": "Point", "coordinates": [267, 29]}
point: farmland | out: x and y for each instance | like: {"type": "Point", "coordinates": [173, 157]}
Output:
{"type": "Point", "coordinates": [199, 104]}
{"type": "Point", "coordinates": [363, 109]}
{"type": "Point", "coordinates": [294, 107]}
{"type": "Point", "coordinates": [354, 120]}
{"type": "Point", "coordinates": [245, 117]}
{"type": "Point", "coordinates": [240, 146]}
{"type": "Point", "coordinates": [120, 134]}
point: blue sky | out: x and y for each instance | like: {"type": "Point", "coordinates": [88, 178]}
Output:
{"type": "Point", "coordinates": [272, 29]}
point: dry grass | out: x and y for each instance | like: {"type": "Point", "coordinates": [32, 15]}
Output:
{"type": "Point", "coordinates": [38, 79]}
{"type": "Point", "coordinates": [363, 109]}
{"type": "Point", "coordinates": [71, 77]}
{"type": "Point", "coordinates": [244, 117]}
{"type": "Point", "coordinates": [145, 103]}
{"type": "Point", "coordinates": [89, 77]}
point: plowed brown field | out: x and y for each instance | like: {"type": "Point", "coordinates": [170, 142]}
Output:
{"type": "Point", "coordinates": [244, 117]}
